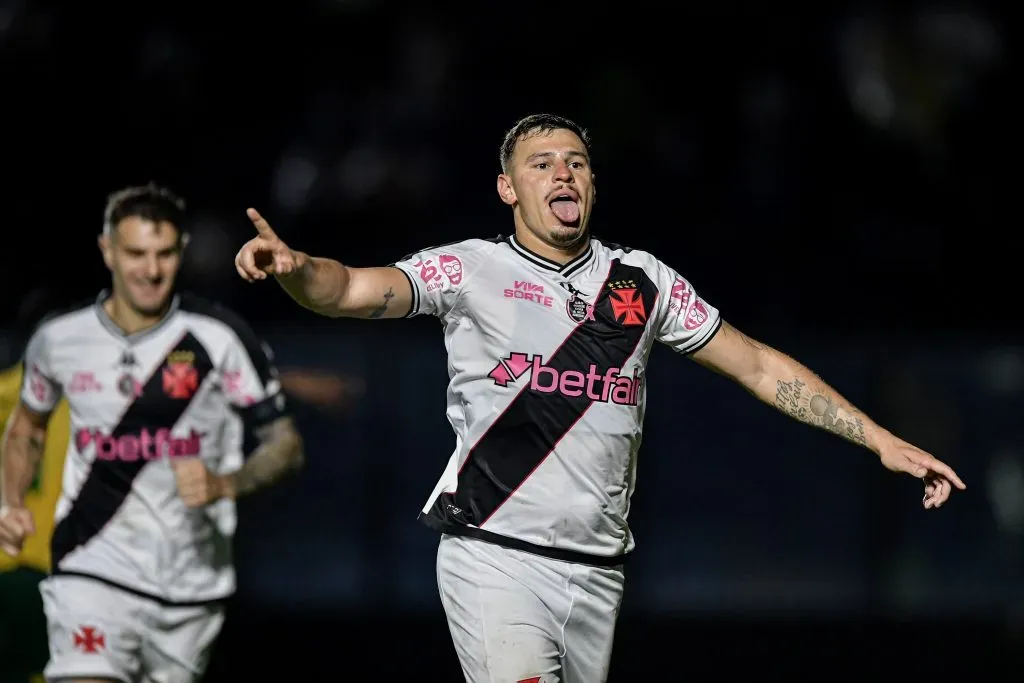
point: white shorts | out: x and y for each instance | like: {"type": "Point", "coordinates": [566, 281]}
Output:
{"type": "Point", "coordinates": [517, 617]}
{"type": "Point", "coordinates": [99, 631]}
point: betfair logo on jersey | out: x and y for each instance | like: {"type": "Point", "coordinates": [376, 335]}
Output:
{"type": "Point", "coordinates": [145, 445]}
{"type": "Point", "coordinates": [597, 384]}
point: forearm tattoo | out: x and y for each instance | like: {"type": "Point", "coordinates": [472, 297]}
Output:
{"type": "Point", "coordinates": [35, 445]}
{"type": "Point", "coordinates": [819, 408]}
{"type": "Point", "coordinates": [24, 451]}
{"type": "Point", "coordinates": [279, 452]}
{"type": "Point", "coordinates": [31, 446]}
{"type": "Point", "coordinates": [379, 311]}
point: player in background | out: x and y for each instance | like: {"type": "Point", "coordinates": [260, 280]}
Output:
{"type": "Point", "coordinates": [548, 333]}
{"type": "Point", "coordinates": [159, 386]}
{"type": "Point", "coordinates": [23, 644]}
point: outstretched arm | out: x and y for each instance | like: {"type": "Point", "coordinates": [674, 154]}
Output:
{"type": "Point", "coordinates": [323, 285]}
{"type": "Point", "coordinates": [330, 288]}
{"type": "Point", "coordinates": [781, 381]}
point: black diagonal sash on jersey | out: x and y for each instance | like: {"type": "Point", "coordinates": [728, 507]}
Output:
{"type": "Point", "coordinates": [109, 481]}
{"type": "Point", "coordinates": [533, 423]}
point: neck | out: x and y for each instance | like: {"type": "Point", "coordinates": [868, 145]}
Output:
{"type": "Point", "coordinates": [128, 319]}
{"type": "Point", "coordinates": [560, 255]}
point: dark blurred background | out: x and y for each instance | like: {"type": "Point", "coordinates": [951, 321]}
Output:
{"type": "Point", "coordinates": [831, 179]}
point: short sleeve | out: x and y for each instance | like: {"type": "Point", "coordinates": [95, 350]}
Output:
{"type": "Point", "coordinates": [40, 390]}
{"type": "Point", "coordinates": [686, 322]}
{"type": "Point", "coordinates": [250, 379]}
{"type": "Point", "coordinates": [439, 274]}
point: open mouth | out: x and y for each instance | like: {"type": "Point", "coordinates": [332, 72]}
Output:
{"type": "Point", "coordinates": [148, 288]}
{"type": "Point", "coordinates": [565, 208]}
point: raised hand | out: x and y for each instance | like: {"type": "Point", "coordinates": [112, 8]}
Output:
{"type": "Point", "coordinates": [265, 254]}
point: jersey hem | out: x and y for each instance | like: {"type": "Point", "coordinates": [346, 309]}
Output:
{"type": "Point", "coordinates": [709, 335]}
{"type": "Point", "coordinates": [140, 593]}
{"type": "Point", "coordinates": [524, 546]}
{"type": "Point", "coordinates": [414, 305]}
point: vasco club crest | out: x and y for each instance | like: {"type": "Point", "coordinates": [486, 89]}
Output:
{"type": "Point", "coordinates": [181, 379]}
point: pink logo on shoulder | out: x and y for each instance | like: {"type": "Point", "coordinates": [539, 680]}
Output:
{"type": "Point", "coordinates": [38, 385]}
{"type": "Point", "coordinates": [684, 302]}
{"type": "Point", "coordinates": [452, 267]}
{"type": "Point", "coordinates": [696, 316]}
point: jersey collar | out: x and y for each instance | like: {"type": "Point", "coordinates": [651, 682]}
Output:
{"type": "Point", "coordinates": [568, 270]}
{"type": "Point", "coordinates": [112, 327]}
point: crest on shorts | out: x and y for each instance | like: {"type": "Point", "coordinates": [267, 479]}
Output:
{"type": "Point", "coordinates": [89, 640]}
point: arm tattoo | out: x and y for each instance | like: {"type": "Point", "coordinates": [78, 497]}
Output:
{"type": "Point", "coordinates": [817, 408]}
{"type": "Point", "coordinates": [36, 444]}
{"type": "Point", "coordinates": [279, 452]}
{"type": "Point", "coordinates": [379, 311]}
{"type": "Point", "coordinates": [19, 459]}
{"type": "Point", "coordinates": [32, 444]}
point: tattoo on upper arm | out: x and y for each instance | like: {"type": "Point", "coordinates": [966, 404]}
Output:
{"type": "Point", "coordinates": [800, 402]}
{"type": "Point", "coordinates": [34, 443]}
{"type": "Point", "coordinates": [379, 311]}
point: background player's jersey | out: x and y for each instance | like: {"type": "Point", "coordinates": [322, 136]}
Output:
{"type": "Point", "coordinates": [137, 403]}
{"type": "Point", "coordinates": [41, 498]}
{"type": "Point", "coordinates": [547, 365]}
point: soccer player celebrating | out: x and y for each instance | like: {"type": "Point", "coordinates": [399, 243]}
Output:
{"type": "Point", "coordinates": [548, 333]}
{"type": "Point", "coordinates": [160, 387]}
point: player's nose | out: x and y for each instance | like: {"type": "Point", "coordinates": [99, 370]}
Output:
{"type": "Point", "coordinates": [152, 270]}
{"type": "Point", "coordinates": [562, 171]}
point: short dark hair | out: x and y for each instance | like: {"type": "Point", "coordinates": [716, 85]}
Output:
{"type": "Point", "coordinates": [150, 202]}
{"type": "Point", "coordinates": [534, 124]}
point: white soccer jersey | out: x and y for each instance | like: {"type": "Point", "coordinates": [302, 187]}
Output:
{"type": "Point", "coordinates": [546, 397]}
{"type": "Point", "coordinates": [180, 389]}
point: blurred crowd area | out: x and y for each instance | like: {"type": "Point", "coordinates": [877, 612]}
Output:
{"type": "Point", "coordinates": [842, 162]}
{"type": "Point", "coordinates": [832, 181]}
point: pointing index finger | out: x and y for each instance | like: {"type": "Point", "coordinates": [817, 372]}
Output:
{"type": "Point", "coordinates": [947, 471]}
{"type": "Point", "coordinates": [261, 225]}
{"type": "Point", "coordinates": [944, 470]}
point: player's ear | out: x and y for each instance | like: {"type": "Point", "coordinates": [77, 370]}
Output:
{"type": "Point", "coordinates": [105, 248]}
{"type": "Point", "coordinates": [505, 190]}
{"type": "Point", "coordinates": [183, 242]}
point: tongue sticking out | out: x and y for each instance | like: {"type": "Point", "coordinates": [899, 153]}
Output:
{"type": "Point", "coordinates": [566, 210]}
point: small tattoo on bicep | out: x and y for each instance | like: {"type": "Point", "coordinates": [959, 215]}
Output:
{"type": "Point", "coordinates": [379, 311]}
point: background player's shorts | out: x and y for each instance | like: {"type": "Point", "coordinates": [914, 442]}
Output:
{"type": "Point", "coordinates": [23, 647]}
{"type": "Point", "coordinates": [98, 631]}
{"type": "Point", "coordinates": [517, 617]}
